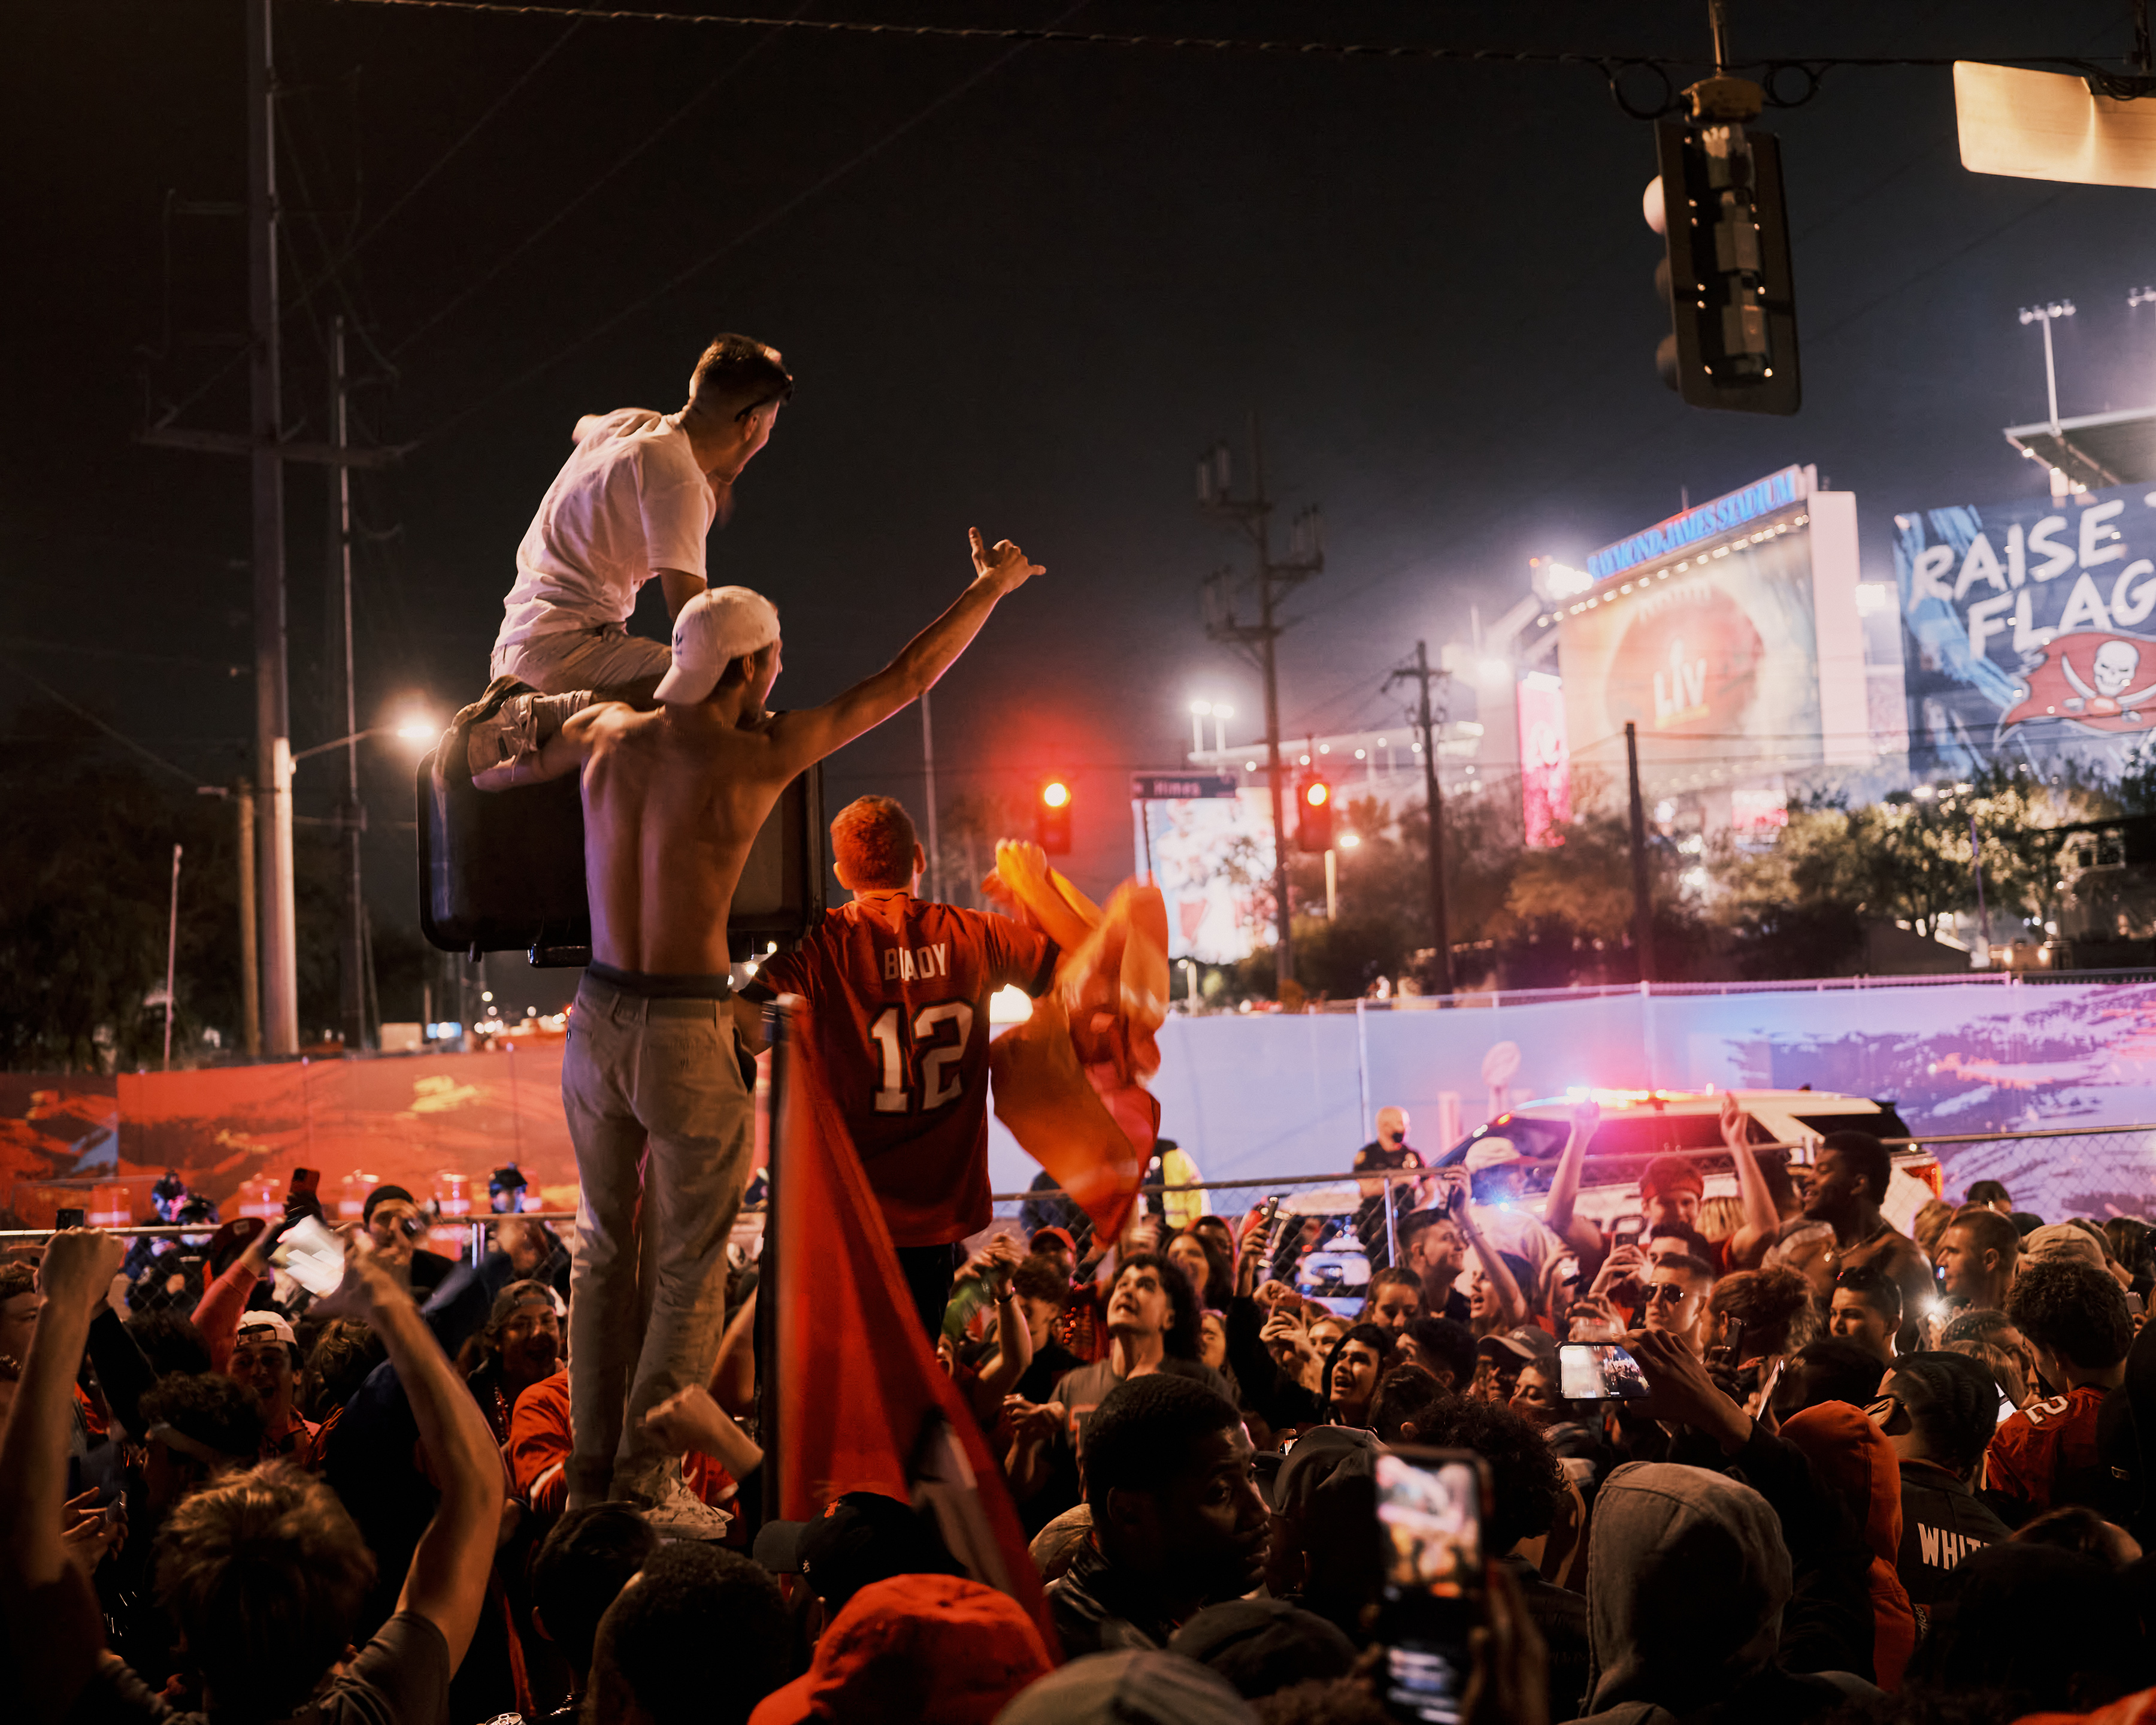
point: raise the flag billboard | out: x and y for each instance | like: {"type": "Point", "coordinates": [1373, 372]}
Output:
{"type": "Point", "coordinates": [2028, 628]}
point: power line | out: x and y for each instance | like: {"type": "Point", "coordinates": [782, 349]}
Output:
{"type": "Point", "coordinates": [1812, 68]}
{"type": "Point", "coordinates": [84, 713]}
{"type": "Point", "coordinates": [565, 210]}
{"type": "Point", "coordinates": [769, 219]}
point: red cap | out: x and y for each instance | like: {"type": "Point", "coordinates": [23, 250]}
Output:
{"type": "Point", "coordinates": [916, 1650]}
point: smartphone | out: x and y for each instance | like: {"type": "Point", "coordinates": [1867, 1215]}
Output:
{"type": "Point", "coordinates": [68, 1219]}
{"type": "Point", "coordinates": [1598, 1372]}
{"type": "Point", "coordinates": [1269, 1230]}
{"type": "Point", "coordinates": [1434, 1595]}
{"type": "Point", "coordinates": [1627, 1230]}
{"type": "Point", "coordinates": [307, 1183]}
{"type": "Point", "coordinates": [1567, 1268]}
{"type": "Point", "coordinates": [311, 1255]}
{"type": "Point", "coordinates": [1730, 1353]}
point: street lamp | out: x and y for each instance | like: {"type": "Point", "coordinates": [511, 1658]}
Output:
{"type": "Point", "coordinates": [2045, 314]}
{"type": "Point", "coordinates": [1220, 712]}
{"type": "Point", "coordinates": [415, 731]}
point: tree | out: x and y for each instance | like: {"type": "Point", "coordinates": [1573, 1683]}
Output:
{"type": "Point", "coordinates": [87, 854]}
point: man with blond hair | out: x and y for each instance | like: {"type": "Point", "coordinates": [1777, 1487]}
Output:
{"type": "Point", "coordinates": [897, 988]}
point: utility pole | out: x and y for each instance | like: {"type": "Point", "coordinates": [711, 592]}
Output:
{"type": "Point", "coordinates": [351, 815]}
{"type": "Point", "coordinates": [171, 956]}
{"type": "Point", "coordinates": [1273, 580]}
{"type": "Point", "coordinates": [928, 772]}
{"type": "Point", "coordinates": [250, 958]}
{"type": "Point", "coordinates": [1643, 908]}
{"type": "Point", "coordinates": [273, 730]}
{"type": "Point", "coordinates": [1421, 675]}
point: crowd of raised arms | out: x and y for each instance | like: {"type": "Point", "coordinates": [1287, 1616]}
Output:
{"type": "Point", "coordinates": [1859, 1475]}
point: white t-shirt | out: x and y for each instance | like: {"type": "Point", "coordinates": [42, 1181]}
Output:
{"type": "Point", "coordinates": [631, 501]}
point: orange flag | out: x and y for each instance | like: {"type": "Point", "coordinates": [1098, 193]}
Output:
{"type": "Point", "coordinates": [862, 1403]}
{"type": "Point", "coordinates": [1069, 1082]}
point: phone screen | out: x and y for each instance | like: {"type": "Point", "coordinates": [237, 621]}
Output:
{"type": "Point", "coordinates": [1598, 1372]}
{"type": "Point", "coordinates": [1430, 1520]}
{"type": "Point", "coordinates": [68, 1219]}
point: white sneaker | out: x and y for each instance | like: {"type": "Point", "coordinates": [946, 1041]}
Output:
{"type": "Point", "coordinates": [501, 724]}
{"type": "Point", "coordinates": [674, 1510]}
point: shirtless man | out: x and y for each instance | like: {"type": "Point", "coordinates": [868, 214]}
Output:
{"type": "Point", "coordinates": [1848, 1178]}
{"type": "Point", "coordinates": [633, 503]}
{"type": "Point", "coordinates": [673, 799]}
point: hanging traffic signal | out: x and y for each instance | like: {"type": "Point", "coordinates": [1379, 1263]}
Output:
{"type": "Point", "coordinates": [1313, 816]}
{"type": "Point", "coordinates": [1051, 818]}
{"type": "Point", "coordinates": [1725, 277]}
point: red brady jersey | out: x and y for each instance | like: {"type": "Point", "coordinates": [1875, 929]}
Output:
{"type": "Point", "coordinates": [2046, 1455]}
{"type": "Point", "coordinates": [898, 991]}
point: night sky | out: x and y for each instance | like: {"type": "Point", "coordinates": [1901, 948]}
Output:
{"type": "Point", "coordinates": [1021, 290]}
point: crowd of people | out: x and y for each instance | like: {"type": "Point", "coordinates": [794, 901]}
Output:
{"type": "Point", "coordinates": [1829, 1499]}
{"type": "Point", "coordinates": [1767, 1458]}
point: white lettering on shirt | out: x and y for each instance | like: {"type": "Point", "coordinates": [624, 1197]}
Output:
{"type": "Point", "coordinates": [906, 964]}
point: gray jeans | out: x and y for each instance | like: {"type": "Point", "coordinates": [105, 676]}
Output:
{"type": "Point", "coordinates": [603, 657]}
{"type": "Point", "coordinates": [665, 1129]}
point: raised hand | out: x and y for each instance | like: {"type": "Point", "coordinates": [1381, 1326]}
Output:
{"type": "Point", "coordinates": [78, 1265]}
{"type": "Point", "coordinates": [1006, 565]}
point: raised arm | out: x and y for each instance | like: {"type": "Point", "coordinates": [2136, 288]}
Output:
{"type": "Point", "coordinates": [1014, 1340]}
{"type": "Point", "coordinates": [1510, 1299]}
{"type": "Point", "coordinates": [1762, 1220]}
{"type": "Point", "coordinates": [447, 1582]}
{"type": "Point", "coordinates": [803, 738]}
{"type": "Point", "coordinates": [1558, 1216]}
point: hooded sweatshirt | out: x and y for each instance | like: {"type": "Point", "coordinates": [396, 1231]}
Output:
{"type": "Point", "coordinates": [1855, 1460]}
{"type": "Point", "coordinates": [1686, 1578]}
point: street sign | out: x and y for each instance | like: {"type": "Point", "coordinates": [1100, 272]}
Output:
{"type": "Point", "coordinates": [1181, 787]}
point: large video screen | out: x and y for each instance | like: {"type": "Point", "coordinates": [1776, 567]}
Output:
{"type": "Point", "coordinates": [1716, 664]}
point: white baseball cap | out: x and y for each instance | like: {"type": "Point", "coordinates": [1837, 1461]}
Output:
{"type": "Point", "coordinates": [715, 628]}
{"type": "Point", "coordinates": [1491, 1152]}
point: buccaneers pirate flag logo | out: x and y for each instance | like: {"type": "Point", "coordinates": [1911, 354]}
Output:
{"type": "Point", "coordinates": [2093, 678]}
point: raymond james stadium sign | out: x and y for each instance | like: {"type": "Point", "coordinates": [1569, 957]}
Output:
{"type": "Point", "coordinates": [1777, 491]}
{"type": "Point", "coordinates": [2031, 614]}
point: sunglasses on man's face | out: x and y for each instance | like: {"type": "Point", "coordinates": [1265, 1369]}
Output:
{"type": "Point", "coordinates": [1670, 1293]}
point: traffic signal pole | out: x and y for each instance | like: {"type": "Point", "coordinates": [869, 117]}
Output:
{"type": "Point", "coordinates": [1421, 675]}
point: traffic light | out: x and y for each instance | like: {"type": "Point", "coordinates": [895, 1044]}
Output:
{"type": "Point", "coordinates": [1051, 819]}
{"type": "Point", "coordinates": [1313, 816]}
{"type": "Point", "coordinates": [1724, 277]}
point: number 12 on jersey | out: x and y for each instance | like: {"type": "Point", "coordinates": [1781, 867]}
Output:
{"type": "Point", "coordinates": [936, 1057]}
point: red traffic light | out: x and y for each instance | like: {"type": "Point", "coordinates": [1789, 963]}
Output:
{"type": "Point", "coordinates": [1313, 817]}
{"type": "Point", "coordinates": [1051, 820]}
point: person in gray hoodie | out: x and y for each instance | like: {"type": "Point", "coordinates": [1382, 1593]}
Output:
{"type": "Point", "coordinates": [1686, 1578]}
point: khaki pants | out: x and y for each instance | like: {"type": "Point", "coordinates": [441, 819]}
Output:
{"type": "Point", "coordinates": [604, 656]}
{"type": "Point", "coordinates": [665, 1128]}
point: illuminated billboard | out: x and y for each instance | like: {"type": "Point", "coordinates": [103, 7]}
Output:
{"type": "Point", "coordinates": [1212, 858]}
{"type": "Point", "coordinates": [1729, 636]}
{"type": "Point", "coordinates": [2030, 628]}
